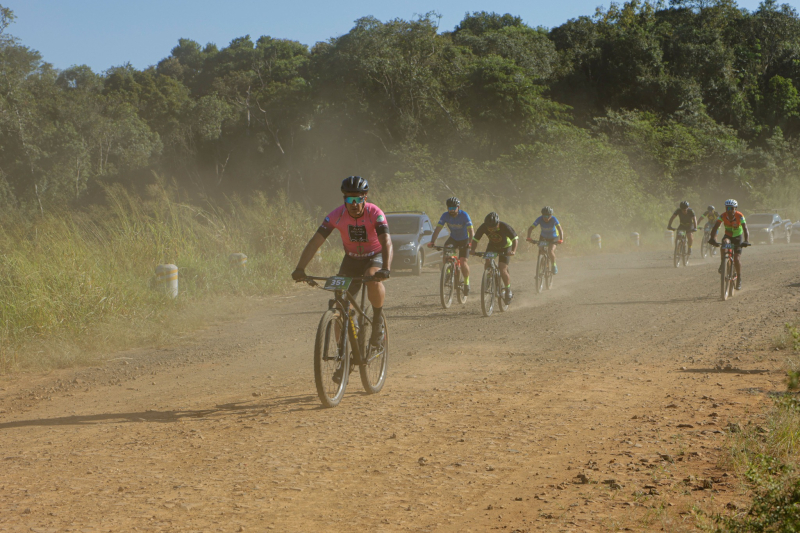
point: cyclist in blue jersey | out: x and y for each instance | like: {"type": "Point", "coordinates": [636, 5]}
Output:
{"type": "Point", "coordinates": [552, 232]}
{"type": "Point", "coordinates": [461, 233]}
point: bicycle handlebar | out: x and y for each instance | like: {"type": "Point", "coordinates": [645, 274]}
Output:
{"type": "Point", "coordinates": [718, 244]}
{"type": "Point", "coordinates": [312, 280]}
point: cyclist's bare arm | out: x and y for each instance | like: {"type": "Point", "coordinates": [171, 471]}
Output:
{"type": "Point", "coordinates": [387, 252]}
{"type": "Point", "coordinates": [311, 248]}
{"type": "Point", "coordinates": [745, 232]}
{"type": "Point", "coordinates": [560, 232]}
{"type": "Point", "coordinates": [470, 233]}
{"type": "Point", "coordinates": [433, 237]}
{"type": "Point", "coordinates": [669, 224]}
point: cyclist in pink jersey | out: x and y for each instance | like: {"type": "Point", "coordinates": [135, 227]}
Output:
{"type": "Point", "coordinates": [367, 246]}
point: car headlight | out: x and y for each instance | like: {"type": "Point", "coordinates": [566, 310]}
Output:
{"type": "Point", "coordinates": [408, 246]}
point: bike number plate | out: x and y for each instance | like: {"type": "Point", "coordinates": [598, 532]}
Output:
{"type": "Point", "coordinates": [337, 283]}
{"type": "Point", "coordinates": [490, 255]}
{"type": "Point", "coordinates": [727, 245]}
{"type": "Point", "coordinates": [681, 233]}
{"type": "Point", "coordinates": [542, 244]}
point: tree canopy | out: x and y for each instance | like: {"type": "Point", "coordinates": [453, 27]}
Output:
{"type": "Point", "coordinates": [640, 100]}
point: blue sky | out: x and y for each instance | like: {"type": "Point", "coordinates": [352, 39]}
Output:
{"type": "Point", "coordinates": [106, 33]}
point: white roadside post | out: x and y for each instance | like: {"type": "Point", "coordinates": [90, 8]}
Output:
{"type": "Point", "coordinates": [596, 241]}
{"type": "Point", "coordinates": [167, 280]}
{"type": "Point", "coordinates": [635, 238]}
{"type": "Point", "coordinates": [238, 261]}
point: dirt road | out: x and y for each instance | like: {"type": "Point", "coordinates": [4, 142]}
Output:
{"type": "Point", "coordinates": [593, 407]}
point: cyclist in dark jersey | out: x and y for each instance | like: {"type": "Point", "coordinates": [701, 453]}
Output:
{"type": "Point", "coordinates": [503, 240]}
{"type": "Point", "coordinates": [461, 233]}
{"type": "Point", "coordinates": [688, 222]}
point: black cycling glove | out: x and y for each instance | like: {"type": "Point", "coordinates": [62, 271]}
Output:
{"type": "Point", "coordinates": [381, 274]}
{"type": "Point", "coordinates": [299, 274]}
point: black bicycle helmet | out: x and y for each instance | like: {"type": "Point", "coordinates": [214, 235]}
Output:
{"type": "Point", "coordinates": [354, 184]}
{"type": "Point", "coordinates": [547, 210]}
{"type": "Point", "coordinates": [684, 204]}
{"type": "Point", "coordinates": [453, 202]}
{"type": "Point", "coordinates": [710, 209]}
{"type": "Point", "coordinates": [492, 219]}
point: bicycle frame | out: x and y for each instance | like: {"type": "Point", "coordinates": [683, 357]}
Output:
{"type": "Point", "coordinates": [344, 300]}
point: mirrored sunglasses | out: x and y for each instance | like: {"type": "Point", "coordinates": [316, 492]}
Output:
{"type": "Point", "coordinates": [354, 199]}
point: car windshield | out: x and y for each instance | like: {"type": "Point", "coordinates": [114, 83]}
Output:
{"type": "Point", "coordinates": [759, 219]}
{"type": "Point", "coordinates": [403, 225]}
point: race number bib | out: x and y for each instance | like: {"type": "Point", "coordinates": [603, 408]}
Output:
{"type": "Point", "coordinates": [357, 233]}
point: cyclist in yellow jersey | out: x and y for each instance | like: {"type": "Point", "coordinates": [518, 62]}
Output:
{"type": "Point", "coordinates": [735, 232]}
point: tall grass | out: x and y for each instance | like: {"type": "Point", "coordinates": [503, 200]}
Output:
{"type": "Point", "coordinates": [67, 277]}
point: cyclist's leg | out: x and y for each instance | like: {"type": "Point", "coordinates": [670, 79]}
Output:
{"type": "Point", "coordinates": [737, 254]}
{"type": "Point", "coordinates": [376, 294]}
{"type": "Point", "coordinates": [551, 249]}
{"type": "Point", "coordinates": [502, 266]}
{"type": "Point", "coordinates": [689, 240]}
{"type": "Point", "coordinates": [463, 254]}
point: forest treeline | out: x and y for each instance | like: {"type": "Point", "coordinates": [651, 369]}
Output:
{"type": "Point", "coordinates": [617, 111]}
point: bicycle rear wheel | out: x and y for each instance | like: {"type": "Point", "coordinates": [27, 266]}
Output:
{"type": "Point", "coordinates": [501, 293]}
{"type": "Point", "coordinates": [541, 266]}
{"type": "Point", "coordinates": [460, 296]}
{"type": "Point", "coordinates": [373, 372]}
{"type": "Point", "coordinates": [446, 285]}
{"type": "Point", "coordinates": [331, 353]}
{"type": "Point", "coordinates": [487, 292]}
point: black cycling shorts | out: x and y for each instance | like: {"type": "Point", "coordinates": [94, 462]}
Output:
{"type": "Point", "coordinates": [352, 267]}
{"type": "Point", "coordinates": [463, 246]}
{"type": "Point", "coordinates": [736, 241]}
{"type": "Point", "coordinates": [687, 228]}
{"type": "Point", "coordinates": [501, 254]}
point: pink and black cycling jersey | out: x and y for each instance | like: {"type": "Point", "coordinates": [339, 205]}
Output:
{"type": "Point", "coordinates": [359, 235]}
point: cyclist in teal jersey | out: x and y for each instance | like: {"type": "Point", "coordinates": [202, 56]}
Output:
{"type": "Point", "coordinates": [552, 232]}
{"type": "Point", "coordinates": [461, 233]}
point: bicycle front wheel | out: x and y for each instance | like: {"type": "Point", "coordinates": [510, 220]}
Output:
{"type": "Point", "coordinates": [548, 275]}
{"type": "Point", "coordinates": [373, 372]}
{"type": "Point", "coordinates": [731, 279]}
{"type": "Point", "coordinates": [487, 292]}
{"type": "Point", "coordinates": [331, 358]}
{"type": "Point", "coordinates": [676, 255]}
{"type": "Point", "coordinates": [541, 266]}
{"type": "Point", "coordinates": [446, 284]}
{"type": "Point", "coordinates": [723, 281]}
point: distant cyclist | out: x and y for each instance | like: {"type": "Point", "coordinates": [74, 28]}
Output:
{"type": "Point", "coordinates": [367, 246]}
{"type": "Point", "coordinates": [461, 233]}
{"type": "Point", "coordinates": [688, 222]}
{"type": "Point", "coordinates": [552, 232]}
{"type": "Point", "coordinates": [735, 232]}
{"type": "Point", "coordinates": [503, 240]}
{"type": "Point", "coordinates": [711, 217]}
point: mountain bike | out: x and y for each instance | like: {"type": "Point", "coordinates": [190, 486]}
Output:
{"type": "Point", "coordinates": [450, 280]}
{"type": "Point", "coordinates": [681, 253]}
{"type": "Point", "coordinates": [728, 276]}
{"type": "Point", "coordinates": [544, 269]}
{"type": "Point", "coordinates": [336, 353]}
{"type": "Point", "coordinates": [705, 248]}
{"type": "Point", "coordinates": [492, 286]}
